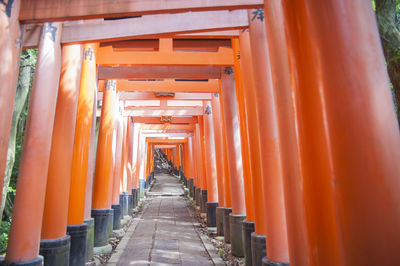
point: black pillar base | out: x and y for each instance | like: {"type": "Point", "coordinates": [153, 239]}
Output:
{"type": "Point", "coordinates": [89, 238]}
{"type": "Point", "coordinates": [267, 262]}
{"type": "Point", "coordinates": [226, 225]}
{"type": "Point", "coordinates": [235, 221]}
{"type": "Point", "coordinates": [134, 196]}
{"type": "Point", "coordinates": [211, 214]}
{"type": "Point", "coordinates": [110, 222]}
{"type": "Point", "coordinates": [124, 205]}
{"type": "Point", "coordinates": [198, 196]}
{"type": "Point", "coordinates": [247, 229]}
{"type": "Point", "coordinates": [190, 187]}
{"type": "Point", "coordinates": [101, 221]}
{"type": "Point", "coordinates": [203, 207]}
{"type": "Point", "coordinates": [35, 262]}
{"type": "Point", "coordinates": [219, 213]}
{"type": "Point", "coordinates": [55, 251]}
{"type": "Point", "coordinates": [130, 205]}
{"type": "Point", "coordinates": [117, 216]}
{"type": "Point", "coordinates": [258, 248]}
{"type": "Point", "coordinates": [77, 254]}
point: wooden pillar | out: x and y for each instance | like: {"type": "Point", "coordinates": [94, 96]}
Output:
{"type": "Point", "coordinates": [118, 159]}
{"type": "Point", "coordinates": [24, 238]}
{"type": "Point", "coordinates": [83, 127]}
{"type": "Point", "coordinates": [203, 154]}
{"type": "Point", "coordinates": [10, 50]}
{"type": "Point", "coordinates": [275, 218]}
{"type": "Point", "coordinates": [241, 103]}
{"type": "Point", "coordinates": [231, 124]}
{"type": "Point", "coordinates": [55, 214]}
{"type": "Point", "coordinates": [348, 135]}
{"type": "Point", "coordinates": [227, 177]}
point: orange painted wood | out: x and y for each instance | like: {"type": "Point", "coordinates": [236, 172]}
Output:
{"type": "Point", "coordinates": [217, 119]}
{"type": "Point", "coordinates": [227, 177]}
{"type": "Point", "coordinates": [165, 141]}
{"type": "Point", "coordinates": [203, 152]}
{"type": "Point", "coordinates": [24, 237]}
{"type": "Point", "coordinates": [247, 173]}
{"type": "Point", "coordinates": [159, 72]}
{"type": "Point", "coordinates": [108, 57]}
{"type": "Point", "coordinates": [102, 186]}
{"type": "Point", "coordinates": [166, 86]}
{"type": "Point", "coordinates": [118, 158]}
{"type": "Point", "coordinates": [252, 115]}
{"type": "Point", "coordinates": [171, 111]}
{"type": "Point", "coordinates": [210, 156]}
{"type": "Point", "coordinates": [168, 127]}
{"type": "Point", "coordinates": [9, 58]}
{"type": "Point", "coordinates": [232, 134]}
{"type": "Point", "coordinates": [271, 160]}
{"type": "Point", "coordinates": [56, 10]}
{"type": "Point", "coordinates": [55, 212]}
{"type": "Point", "coordinates": [83, 127]}
{"type": "Point", "coordinates": [199, 157]}
{"type": "Point", "coordinates": [182, 96]}
{"type": "Point", "coordinates": [158, 120]}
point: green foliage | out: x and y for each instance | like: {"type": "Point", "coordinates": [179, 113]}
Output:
{"type": "Point", "coordinates": [4, 229]}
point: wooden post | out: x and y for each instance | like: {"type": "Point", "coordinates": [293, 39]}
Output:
{"type": "Point", "coordinates": [24, 238]}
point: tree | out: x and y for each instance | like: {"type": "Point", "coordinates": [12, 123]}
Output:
{"type": "Point", "coordinates": [387, 16]}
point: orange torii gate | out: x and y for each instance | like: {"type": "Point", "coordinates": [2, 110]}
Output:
{"type": "Point", "coordinates": [299, 156]}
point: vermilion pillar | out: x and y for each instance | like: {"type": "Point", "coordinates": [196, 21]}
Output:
{"type": "Point", "coordinates": [102, 186]}
{"type": "Point", "coordinates": [24, 238]}
{"type": "Point", "coordinates": [116, 173]}
{"type": "Point", "coordinates": [10, 51]}
{"type": "Point", "coordinates": [55, 214]}
{"type": "Point", "coordinates": [83, 128]}
{"type": "Point", "coordinates": [241, 103]}
{"type": "Point", "coordinates": [275, 219]}
{"type": "Point", "coordinates": [211, 166]}
{"type": "Point", "coordinates": [231, 124]}
{"type": "Point", "coordinates": [348, 135]}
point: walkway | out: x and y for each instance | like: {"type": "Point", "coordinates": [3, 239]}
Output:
{"type": "Point", "coordinates": [165, 233]}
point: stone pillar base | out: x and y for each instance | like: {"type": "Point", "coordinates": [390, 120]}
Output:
{"type": "Point", "coordinates": [267, 262]}
{"type": "Point", "coordinates": [203, 207]}
{"type": "Point", "coordinates": [190, 187]}
{"type": "Point", "coordinates": [134, 196]}
{"type": "Point", "coordinates": [247, 229]}
{"type": "Point", "coordinates": [117, 216]}
{"type": "Point", "coordinates": [77, 254]}
{"type": "Point", "coordinates": [258, 248]}
{"type": "Point", "coordinates": [110, 222]}
{"type": "Point", "coordinates": [198, 196]}
{"type": "Point", "coordinates": [101, 226]}
{"type": "Point", "coordinates": [219, 213]}
{"type": "Point", "coordinates": [211, 214]}
{"type": "Point", "coordinates": [124, 204]}
{"type": "Point", "coordinates": [89, 238]}
{"type": "Point", "coordinates": [55, 251]}
{"type": "Point", "coordinates": [235, 221]}
{"type": "Point", "coordinates": [226, 225]}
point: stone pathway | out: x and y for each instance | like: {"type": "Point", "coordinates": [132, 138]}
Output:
{"type": "Point", "coordinates": [164, 234]}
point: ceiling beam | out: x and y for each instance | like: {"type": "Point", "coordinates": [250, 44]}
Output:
{"type": "Point", "coordinates": [211, 85]}
{"type": "Point", "coordinates": [161, 112]}
{"type": "Point", "coordinates": [159, 72]}
{"type": "Point", "coordinates": [165, 141]}
{"type": "Point", "coordinates": [33, 11]}
{"type": "Point", "coordinates": [167, 127]}
{"type": "Point", "coordinates": [182, 96]}
{"type": "Point", "coordinates": [157, 120]}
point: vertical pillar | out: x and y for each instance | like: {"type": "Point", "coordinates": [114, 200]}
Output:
{"type": "Point", "coordinates": [116, 206]}
{"type": "Point", "coordinates": [347, 153]}
{"type": "Point", "coordinates": [275, 218]}
{"type": "Point", "coordinates": [76, 228]}
{"type": "Point", "coordinates": [24, 238]}
{"type": "Point", "coordinates": [55, 244]}
{"type": "Point", "coordinates": [102, 186]}
{"type": "Point", "coordinates": [231, 124]}
{"type": "Point", "coordinates": [211, 167]}
{"type": "Point", "coordinates": [10, 50]}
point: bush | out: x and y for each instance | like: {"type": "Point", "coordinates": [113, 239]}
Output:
{"type": "Point", "coordinates": [4, 229]}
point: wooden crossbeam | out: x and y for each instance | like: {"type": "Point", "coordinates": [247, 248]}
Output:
{"type": "Point", "coordinates": [182, 96]}
{"type": "Point", "coordinates": [58, 10]}
{"type": "Point", "coordinates": [168, 126]}
{"type": "Point", "coordinates": [146, 26]}
{"type": "Point", "coordinates": [161, 112]}
{"type": "Point", "coordinates": [165, 141]}
{"type": "Point", "coordinates": [157, 120]}
{"type": "Point", "coordinates": [159, 72]}
{"type": "Point", "coordinates": [211, 85]}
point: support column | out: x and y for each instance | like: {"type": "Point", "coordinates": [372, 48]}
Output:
{"type": "Point", "coordinates": [102, 186]}
{"type": "Point", "coordinates": [349, 135]}
{"type": "Point", "coordinates": [231, 124]}
{"type": "Point", "coordinates": [116, 203]}
{"type": "Point", "coordinates": [54, 243]}
{"type": "Point", "coordinates": [211, 167]}
{"type": "Point", "coordinates": [10, 51]}
{"type": "Point", "coordinates": [76, 228]}
{"type": "Point", "coordinates": [24, 238]}
{"type": "Point", "coordinates": [219, 153]}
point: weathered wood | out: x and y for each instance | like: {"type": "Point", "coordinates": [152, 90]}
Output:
{"type": "Point", "coordinates": [157, 120]}
{"type": "Point", "coordinates": [58, 10]}
{"type": "Point", "coordinates": [159, 72]}
{"type": "Point", "coordinates": [186, 96]}
{"type": "Point", "coordinates": [161, 112]}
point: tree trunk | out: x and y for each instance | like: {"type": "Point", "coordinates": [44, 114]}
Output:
{"type": "Point", "coordinates": [386, 15]}
{"type": "Point", "coordinates": [24, 81]}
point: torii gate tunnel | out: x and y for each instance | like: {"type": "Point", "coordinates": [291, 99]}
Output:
{"type": "Point", "coordinates": [277, 116]}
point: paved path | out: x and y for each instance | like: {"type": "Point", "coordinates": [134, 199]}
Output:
{"type": "Point", "coordinates": [165, 233]}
